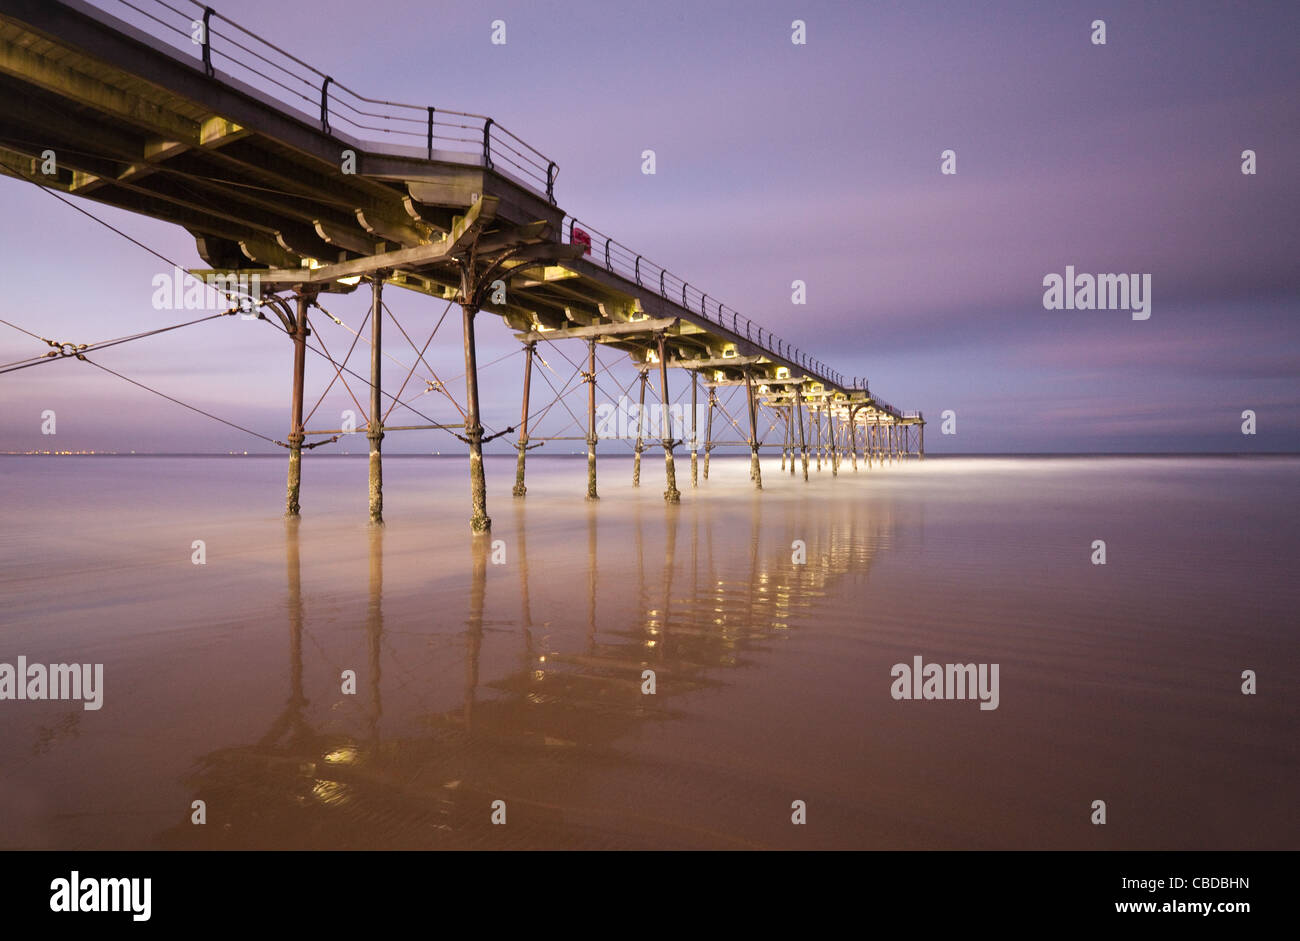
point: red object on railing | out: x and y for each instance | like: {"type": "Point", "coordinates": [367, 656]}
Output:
{"type": "Point", "coordinates": [579, 237]}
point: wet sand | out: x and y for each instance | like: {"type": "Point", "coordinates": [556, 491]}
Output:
{"type": "Point", "coordinates": [521, 681]}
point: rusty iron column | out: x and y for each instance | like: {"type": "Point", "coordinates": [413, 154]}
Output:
{"type": "Point", "coordinates": [853, 437]}
{"type": "Point", "coordinates": [834, 441]}
{"type": "Point", "coordinates": [640, 428]}
{"type": "Point", "coordinates": [708, 430]}
{"type": "Point", "coordinates": [695, 436]}
{"type": "Point", "coordinates": [296, 435]}
{"type": "Point", "coordinates": [803, 441]}
{"type": "Point", "coordinates": [817, 437]}
{"type": "Point", "coordinates": [591, 419]}
{"type": "Point", "coordinates": [785, 444]}
{"type": "Point", "coordinates": [375, 430]}
{"type": "Point", "coordinates": [921, 442]}
{"type": "Point", "coordinates": [755, 469]}
{"type": "Point", "coordinates": [520, 490]}
{"type": "Point", "coordinates": [672, 494]}
{"type": "Point", "coordinates": [479, 522]}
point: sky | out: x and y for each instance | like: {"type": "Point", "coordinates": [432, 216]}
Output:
{"type": "Point", "coordinates": [775, 162]}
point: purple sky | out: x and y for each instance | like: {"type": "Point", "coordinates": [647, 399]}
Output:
{"type": "Point", "coordinates": [777, 162]}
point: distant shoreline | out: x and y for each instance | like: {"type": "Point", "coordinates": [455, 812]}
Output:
{"type": "Point", "coordinates": [277, 455]}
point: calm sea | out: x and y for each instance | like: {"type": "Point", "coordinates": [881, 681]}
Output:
{"type": "Point", "coordinates": [513, 669]}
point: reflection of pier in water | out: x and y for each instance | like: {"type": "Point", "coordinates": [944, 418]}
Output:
{"type": "Point", "coordinates": [545, 736]}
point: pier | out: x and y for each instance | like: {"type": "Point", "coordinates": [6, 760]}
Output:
{"type": "Point", "coordinates": [291, 181]}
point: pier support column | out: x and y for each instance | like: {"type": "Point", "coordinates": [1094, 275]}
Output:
{"type": "Point", "coordinates": [803, 440]}
{"type": "Point", "coordinates": [296, 436]}
{"type": "Point", "coordinates": [520, 490]}
{"type": "Point", "coordinates": [920, 431]}
{"type": "Point", "coordinates": [375, 431]}
{"type": "Point", "coordinates": [640, 444]}
{"type": "Point", "coordinates": [785, 444]}
{"type": "Point", "coordinates": [672, 494]}
{"type": "Point", "coordinates": [755, 469]}
{"type": "Point", "coordinates": [853, 437]}
{"type": "Point", "coordinates": [591, 419]}
{"type": "Point", "coordinates": [708, 430]}
{"type": "Point", "coordinates": [695, 437]}
{"type": "Point", "coordinates": [479, 522]}
{"type": "Point", "coordinates": [835, 442]}
{"type": "Point", "coordinates": [817, 437]}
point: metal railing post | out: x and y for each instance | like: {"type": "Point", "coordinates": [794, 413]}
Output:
{"type": "Point", "coordinates": [325, 104]}
{"type": "Point", "coordinates": [207, 42]}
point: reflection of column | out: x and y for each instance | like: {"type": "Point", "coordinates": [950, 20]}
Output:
{"type": "Point", "coordinates": [591, 581]}
{"type": "Point", "coordinates": [643, 596]}
{"type": "Point", "coordinates": [292, 716]}
{"type": "Point", "coordinates": [375, 625]}
{"type": "Point", "coordinates": [294, 564]}
{"type": "Point", "coordinates": [522, 563]}
{"type": "Point", "coordinates": [474, 632]}
{"type": "Point", "coordinates": [670, 559]}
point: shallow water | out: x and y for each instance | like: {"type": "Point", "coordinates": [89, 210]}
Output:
{"type": "Point", "coordinates": [521, 680]}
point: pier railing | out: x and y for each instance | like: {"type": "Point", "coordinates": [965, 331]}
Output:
{"type": "Point", "coordinates": [218, 42]}
{"type": "Point", "coordinates": [193, 29]}
{"type": "Point", "coordinates": [617, 258]}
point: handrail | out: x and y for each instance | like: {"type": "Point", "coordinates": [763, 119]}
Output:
{"type": "Point", "coordinates": [244, 54]}
{"type": "Point", "coordinates": [424, 125]}
{"type": "Point", "coordinates": [621, 260]}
